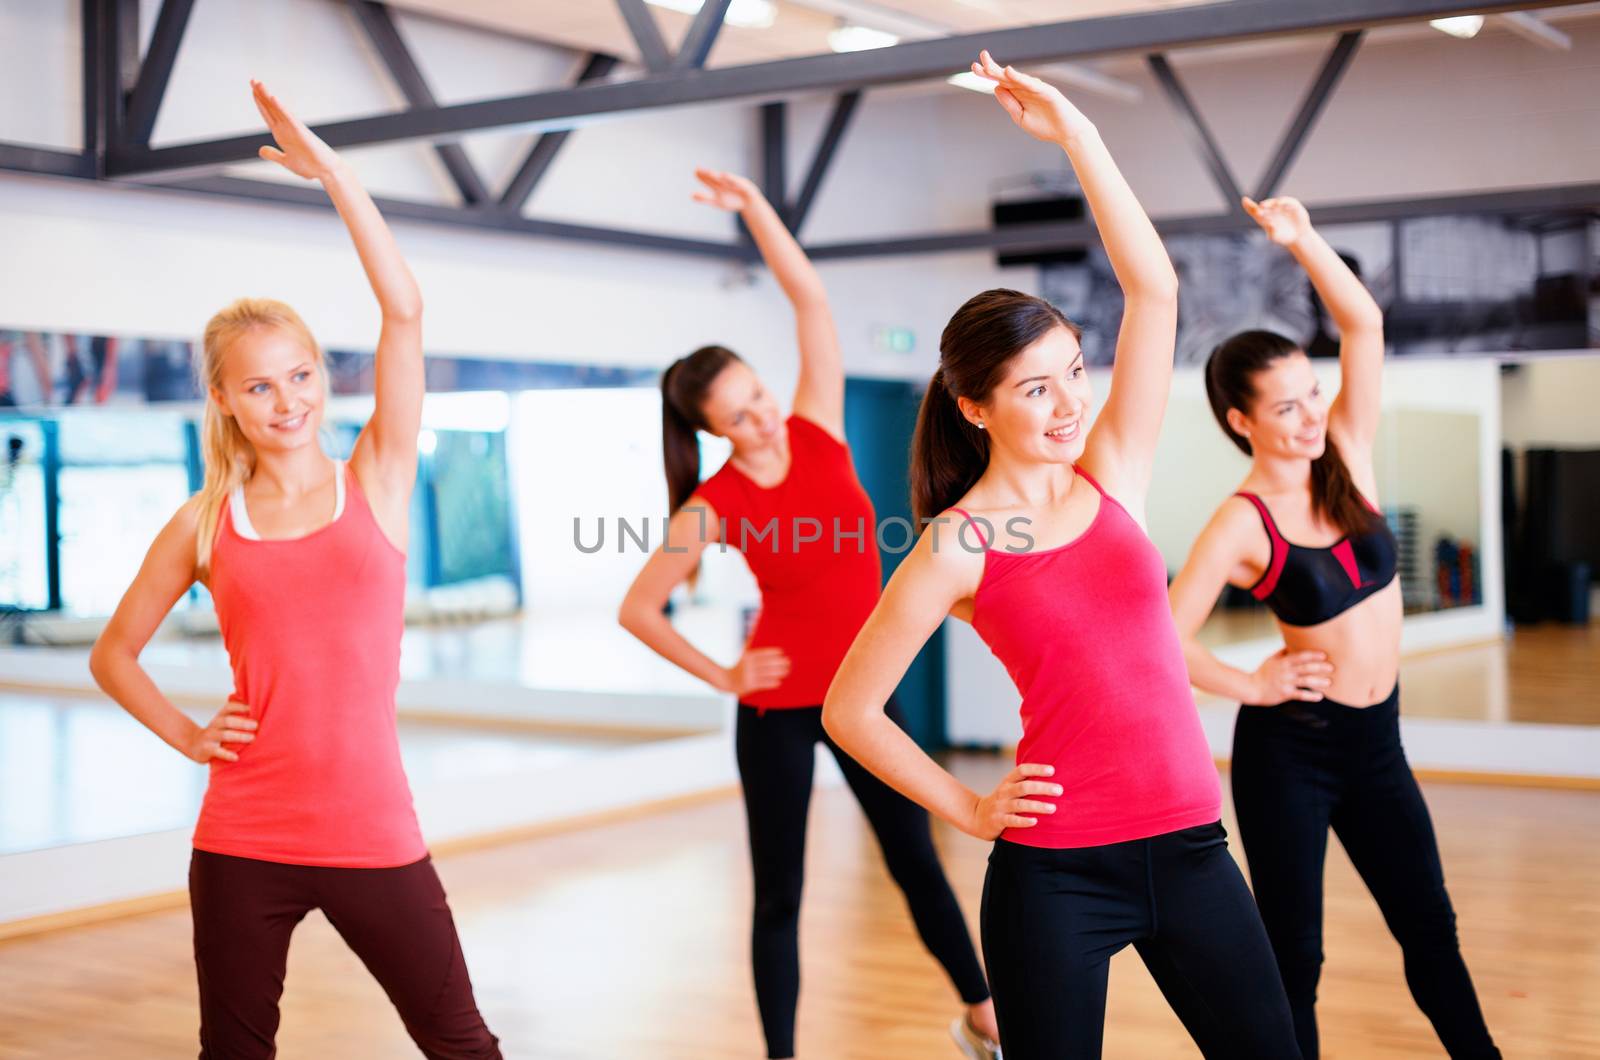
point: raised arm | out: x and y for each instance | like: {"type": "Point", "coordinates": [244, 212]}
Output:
{"type": "Point", "coordinates": [689, 532]}
{"type": "Point", "coordinates": [166, 574]}
{"type": "Point", "coordinates": [819, 393]}
{"type": "Point", "coordinates": [1353, 419]}
{"type": "Point", "coordinates": [1120, 451]}
{"type": "Point", "coordinates": [1223, 554]}
{"type": "Point", "coordinates": [385, 457]}
{"type": "Point", "coordinates": [926, 586]}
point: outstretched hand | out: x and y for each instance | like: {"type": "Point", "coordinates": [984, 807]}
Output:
{"type": "Point", "coordinates": [726, 191]}
{"type": "Point", "coordinates": [299, 150]}
{"type": "Point", "coordinates": [1039, 108]}
{"type": "Point", "coordinates": [1285, 220]}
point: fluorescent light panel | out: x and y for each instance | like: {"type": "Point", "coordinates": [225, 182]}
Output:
{"type": "Point", "coordinates": [850, 38]}
{"type": "Point", "coordinates": [971, 81]}
{"type": "Point", "coordinates": [1463, 26]}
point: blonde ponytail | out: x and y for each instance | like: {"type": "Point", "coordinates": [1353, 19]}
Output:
{"type": "Point", "coordinates": [228, 456]}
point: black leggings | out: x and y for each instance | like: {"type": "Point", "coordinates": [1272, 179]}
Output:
{"type": "Point", "coordinates": [396, 920]}
{"type": "Point", "coordinates": [1299, 768]}
{"type": "Point", "coordinates": [776, 751]}
{"type": "Point", "coordinates": [1052, 920]}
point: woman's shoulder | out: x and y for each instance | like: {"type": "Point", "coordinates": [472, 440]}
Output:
{"type": "Point", "coordinates": [186, 520]}
{"type": "Point", "coordinates": [808, 429]}
{"type": "Point", "coordinates": [720, 490]}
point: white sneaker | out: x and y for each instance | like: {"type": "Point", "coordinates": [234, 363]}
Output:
{"type": "Point", "coordinates": [973, 1045]}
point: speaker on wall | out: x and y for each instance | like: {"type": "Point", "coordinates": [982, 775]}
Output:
{"type": "Point", "coordinates": [1040, 211]}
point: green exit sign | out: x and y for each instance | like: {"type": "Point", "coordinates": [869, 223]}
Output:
{"type": "Point", "coordinates": [893, 340]}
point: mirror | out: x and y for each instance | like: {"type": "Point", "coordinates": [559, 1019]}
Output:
{"type": "Point", "coordinates": [512, 663]}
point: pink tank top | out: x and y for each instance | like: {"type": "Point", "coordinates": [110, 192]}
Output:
{"type": "Point", "coordinates": [312, 627]}
{"type": "Point", "coordinates": [1087, 636]}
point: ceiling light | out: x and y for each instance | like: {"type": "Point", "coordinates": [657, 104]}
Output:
{"type": "Point", "coordinates": [746, 14]}
{"type": "Point", "coordinates": [1463, 26]}
{"type": "Point", "coordinates": [848, 38]}
{"type": "Point", "coordinates": [969, 80]}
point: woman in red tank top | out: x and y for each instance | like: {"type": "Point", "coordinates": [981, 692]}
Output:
{"type": "Point", "coordinates": [1107, 831]}
{"type": "Point", "coordinates": [789, 500]}
{"type": "Point", "coordinates": [307, 806]}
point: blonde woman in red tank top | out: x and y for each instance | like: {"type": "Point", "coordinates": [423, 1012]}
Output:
{"type": "Point", "coordinates": [1107, 832]}
{"type": "Point", "coordinates": [307, 806]}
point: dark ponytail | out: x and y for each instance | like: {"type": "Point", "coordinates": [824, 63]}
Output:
{"type": "Point", "coordinates": [1231, 384]}
{"type": "Point", "coordinates": [683, 390]}
{"type": "Point", "coordinates": [949, 453]}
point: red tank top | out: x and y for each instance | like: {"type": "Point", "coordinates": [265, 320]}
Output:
{"type": "Point", "coordinates": [1087, 636]}
{"type": "Point", "coordinates": [811, 542]}
{"type": "Point", "coordinates": [312, 626]}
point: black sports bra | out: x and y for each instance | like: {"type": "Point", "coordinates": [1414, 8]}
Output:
{"type": "Point", "coordinates": [1308, 586]}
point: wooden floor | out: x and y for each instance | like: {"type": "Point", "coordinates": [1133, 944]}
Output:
{"type": "Point", "coordinates": [629, 940]}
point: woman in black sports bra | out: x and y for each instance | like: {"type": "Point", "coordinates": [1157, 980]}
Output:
{"type": "Point", "coordinates": [1317, 744]}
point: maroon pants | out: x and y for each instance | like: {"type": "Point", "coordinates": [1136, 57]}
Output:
{"type": "Point", "coordinates": [396, 921]}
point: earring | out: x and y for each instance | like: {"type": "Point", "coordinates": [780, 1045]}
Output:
{"type": "Point", "coordinates": [979, 426]}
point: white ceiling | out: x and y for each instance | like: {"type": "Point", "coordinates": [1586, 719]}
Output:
{"type": "Point", "coordinates": [802, 26]}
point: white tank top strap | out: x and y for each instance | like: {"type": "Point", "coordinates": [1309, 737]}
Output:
{"type": "Point", "coordinates": [338, 489]}
{"type": "Point", "coordinates": [240, 514]}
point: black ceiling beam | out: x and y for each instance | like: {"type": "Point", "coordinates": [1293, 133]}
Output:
{"type": "Point", "coordinates": [102, 59]}
{"type": "Point", "coordinates": [1061, 235]}
{"type": "Point", "coordinates": [110, 66]}
{"type": "Point", "coordinates": [775, 156]}
{"type": "Point", "coordinates": [44, 161]}
{"type": "Point", "coordinates": [91, 22]}
{"type": "Point", "coordinates": [380, 28]}
{"type": "Point", "coordinates": [1156, 30]}
{"type": "Point", "coordinates": [1195, 129]}
{"type": "Point", "coordinates": [489, 220]}
{"type": "Point", "coordinates": [128, 45]}
{"type": "Point", "coordinates": [696, 45]}
{"type": "Point", "coordinates": [549, 144]}
{"type": "Point", "coordinates": [1333, 68]}
{"type": "Point", "coordinates": [155, 73]}
{"type": "Point", "coordinates": [646, 33]}
{"type": "Point", "coordinates": [844, 107]}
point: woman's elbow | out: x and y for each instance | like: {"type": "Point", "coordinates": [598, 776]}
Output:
{"type": "Point", "coordinates": [100, 660]}
{"type": "Point", "coordinates": [1159, 288]}
{"type": "Point", "coordinates": [1367, 321]}
{"type": "Point", "coordinates": [406, 309]}
{"type": "Point", "coordinates": [835, 719]}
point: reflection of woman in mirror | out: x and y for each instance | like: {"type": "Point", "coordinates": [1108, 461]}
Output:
{"type": "Point", "coordinates": [307, 804]}
{"type": "Point", "coordinates": [819, 574]}
{"type": "Point", "coordinates": [91, 368]}
{"type": "Point", "coordinates": [1317, 744]}
{"type": "Point", "coordinates": [33, 343]}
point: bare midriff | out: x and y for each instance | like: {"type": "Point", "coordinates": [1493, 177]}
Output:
{"type": "Point", "coordinates": [1363, 644]}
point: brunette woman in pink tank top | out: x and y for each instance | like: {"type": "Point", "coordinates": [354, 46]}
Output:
{"type": "Point", "coordinates": [307, 806]}
{"type": "Point", "coordinates": [1107, 832]}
